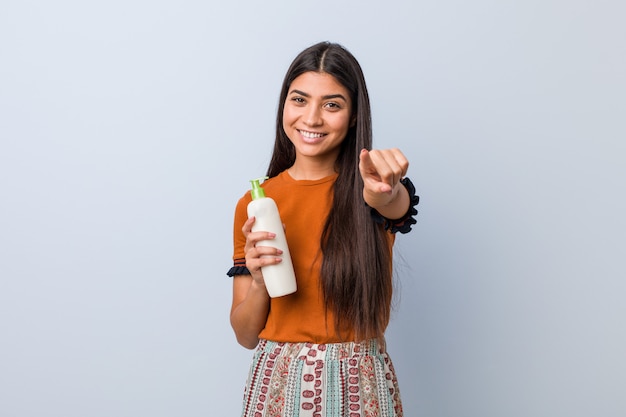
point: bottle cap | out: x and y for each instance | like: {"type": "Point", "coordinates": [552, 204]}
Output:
{"type": "Point", "coordinates": [257, 192]}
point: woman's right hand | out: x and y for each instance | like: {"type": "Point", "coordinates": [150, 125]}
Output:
{"type": "Point", "coordinates": [251, 301]}
{"type": "Point", "coordinates": [259, 256]}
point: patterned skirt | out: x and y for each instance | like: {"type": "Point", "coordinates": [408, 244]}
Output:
{"type": "Point", "coordinates": [321, 380]}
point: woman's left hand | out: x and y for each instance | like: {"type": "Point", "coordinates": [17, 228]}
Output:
{"type": "Point", "coordinates": [382, 171]}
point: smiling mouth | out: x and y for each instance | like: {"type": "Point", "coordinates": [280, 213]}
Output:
{"type": "Point", "coordinates": [311, 137]}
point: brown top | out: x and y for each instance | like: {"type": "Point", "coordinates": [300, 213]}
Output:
{"type": "Point", "coordinates": [303, 206]}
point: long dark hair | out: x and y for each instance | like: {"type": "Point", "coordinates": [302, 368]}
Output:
{"type": "Point", "coordinates": [356, 265]}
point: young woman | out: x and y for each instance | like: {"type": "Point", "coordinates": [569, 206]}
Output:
{"type": "Point", "coordinates": [321, 350]}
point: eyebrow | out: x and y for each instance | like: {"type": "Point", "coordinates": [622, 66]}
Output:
{"type": "Point", "coordinates": [327, 97]}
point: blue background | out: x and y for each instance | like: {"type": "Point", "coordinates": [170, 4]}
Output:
{"type": "Point", "coordinates": [129, 129]}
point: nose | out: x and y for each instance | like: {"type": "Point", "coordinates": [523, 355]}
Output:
{"type": "Point", "coordinates": [313, 116]}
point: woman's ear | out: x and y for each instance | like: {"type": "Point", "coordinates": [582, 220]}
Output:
{"type": "Point", "coordinates": [353, 121]}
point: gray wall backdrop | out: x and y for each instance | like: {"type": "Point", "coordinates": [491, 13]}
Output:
{"type": "Point", "coordinates": [130, 128]}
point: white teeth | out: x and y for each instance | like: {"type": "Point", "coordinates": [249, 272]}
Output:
{"type": "Point", "coordinates": [311, 135]}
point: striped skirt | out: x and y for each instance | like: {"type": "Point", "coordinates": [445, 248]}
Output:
{"type": "Point", "coordinates": [321, 380]}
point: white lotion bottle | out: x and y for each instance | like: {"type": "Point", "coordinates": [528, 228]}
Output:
{"type": "Point", "coordinates": [280, 278]}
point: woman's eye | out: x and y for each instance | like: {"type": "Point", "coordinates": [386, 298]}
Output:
{"type": "Point", "coordinates": [298, 100]}
{"type": "Point", "coordinates": [333, 105]}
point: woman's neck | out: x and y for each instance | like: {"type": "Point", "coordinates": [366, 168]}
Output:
{"type": "Point", "coordinates": [309, 170]}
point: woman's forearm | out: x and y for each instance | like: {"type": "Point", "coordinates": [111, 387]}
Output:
{"type": "Point", "coordinates": [397, 207]}
{"type": "Point", "coordinates": [251, 304]}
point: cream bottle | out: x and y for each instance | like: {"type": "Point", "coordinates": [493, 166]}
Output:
{"type": "Point", "coordinates": [280, 278]}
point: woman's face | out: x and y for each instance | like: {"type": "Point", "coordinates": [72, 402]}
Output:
{"type": "Point", "coordinates": [317, 116]}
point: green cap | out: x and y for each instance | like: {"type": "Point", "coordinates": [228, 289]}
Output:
{"type": "Point", "coordinates": [257, 192]}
